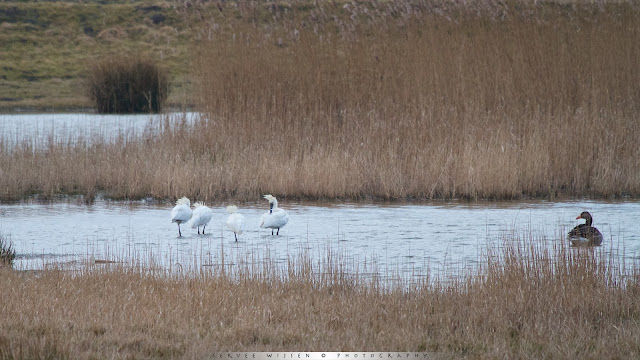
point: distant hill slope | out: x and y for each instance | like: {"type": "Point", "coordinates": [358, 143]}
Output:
{"type": "Point", "coordinates": [45, 48]}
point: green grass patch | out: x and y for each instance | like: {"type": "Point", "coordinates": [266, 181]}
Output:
{"type": "Point", "coordinates": [47, 47]}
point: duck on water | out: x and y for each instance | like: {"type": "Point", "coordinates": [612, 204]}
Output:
{"type": "Point", "coordinates": [585, 234]}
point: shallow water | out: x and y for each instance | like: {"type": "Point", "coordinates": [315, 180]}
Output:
{"type": "Point", "coordinates": [407, 239]}
{"type": "Point", "coordinates": [39, 129]}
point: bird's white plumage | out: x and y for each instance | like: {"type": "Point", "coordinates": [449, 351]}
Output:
{"type": "Point", "coordinates": [235, 221]}
{"type": "Point", "coordinates": [579, 241]}
{"type": "Point", "coordinates": [276, 218]}
{"type": "Point", "coordinates": [181, 213]}
{"type": "Point", "coordinates": [271, 198]}
{"type": "Point", "coordinates": [202, 214]}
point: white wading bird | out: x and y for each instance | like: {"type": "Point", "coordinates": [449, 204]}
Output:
{"type": "Point", "coordinates": [235, 222]}
{"type": "Point", "coordinates": [181, 213]}
{"type": "Point", "coordinates": [201, 216]}
{"type": "Point", "coordinates": [275, 218]}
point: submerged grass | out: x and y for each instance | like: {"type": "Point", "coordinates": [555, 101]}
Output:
{"type": "Point", "coordinates": [527, 300]}
{"type": "Point", "coordinates": [7, 252]}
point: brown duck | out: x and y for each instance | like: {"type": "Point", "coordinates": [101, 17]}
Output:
{"type": "Point", "coordinates": [585, 234]}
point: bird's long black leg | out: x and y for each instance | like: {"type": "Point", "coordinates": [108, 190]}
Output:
{"type": "Point", "coordinates": [203, 227]}
{"type": "Point", "coordinates": [271, 232]}
{"type": "Point", "coordinates": [179, 233]}
{"type": "Point", "coordinates": [236, 235]}
{"type": "Point", "coordinates": [198, 229]}
{"type": "Point", "coordinates": [278, 233]}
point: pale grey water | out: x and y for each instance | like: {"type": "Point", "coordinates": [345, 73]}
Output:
{"type": "Point", "coordinates": [402, 238]}
{"type": "Point", "coordinates": [39, 129]}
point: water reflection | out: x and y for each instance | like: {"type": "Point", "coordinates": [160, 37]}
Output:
{"type": "Point", "coordinates": [384, 238]}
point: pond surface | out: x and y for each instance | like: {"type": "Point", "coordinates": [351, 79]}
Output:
{"type": "Point", "coordinates": [39, 129]}
{"type": "Point", "coordinates": [376, 238]}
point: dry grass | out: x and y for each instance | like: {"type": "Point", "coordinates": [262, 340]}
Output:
{"type": "Point", "coordinates": [527, 301]}
{"type": "Point", "coordinates": [423, 101]}
{"type": "Point", "coordinates": [400, 102]}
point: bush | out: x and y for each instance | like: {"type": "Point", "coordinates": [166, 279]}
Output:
{"type": "Point", "coordinates": [7, 252]}
{"type": "Point", "coordinates": [127, 85]}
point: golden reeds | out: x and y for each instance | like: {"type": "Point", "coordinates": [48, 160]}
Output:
{"type": "Point", "coordinates": [530, 299]}
{"type": "Point", "coordinates": [432, 106]}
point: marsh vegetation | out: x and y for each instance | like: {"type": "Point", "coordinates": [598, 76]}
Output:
{"type": "Point", "coordinates": [7, 252]}
{"type": "Point", "coordinates": [525, 301]}
{"type": "Point", "coordinates": [386, 100]}
{"type": "Point", "coordinates": [381, 100]}
{"type": "Point", "coordinates": [427, 99]}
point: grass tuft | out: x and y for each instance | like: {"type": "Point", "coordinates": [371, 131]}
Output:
{"type": "Point", "coordinates": [7, 252]}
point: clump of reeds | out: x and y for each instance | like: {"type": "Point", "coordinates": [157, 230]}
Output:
{"type": "Point", "coordinates": [127, 84]}
{"type": "Point", "coordinates": [7, 252]}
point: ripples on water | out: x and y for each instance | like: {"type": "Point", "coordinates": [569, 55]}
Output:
{"type": "Point", "coordinates": [386, 239]}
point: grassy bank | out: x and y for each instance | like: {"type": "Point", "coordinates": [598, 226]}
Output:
{"type": "Point", "coordinates": [48, 46]}
{"type": "Point", "coordinates": [526, 301]}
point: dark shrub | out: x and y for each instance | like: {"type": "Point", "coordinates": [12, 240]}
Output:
{"type": "Point", "coordinates": [158, 18]}
{"type": "Point", "coordinates": [127, 85]}
{"type": "Point", "coordinates": [7, 253]}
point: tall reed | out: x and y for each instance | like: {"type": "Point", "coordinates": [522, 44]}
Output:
{"type": "Point", "coordinates": [400, 102]}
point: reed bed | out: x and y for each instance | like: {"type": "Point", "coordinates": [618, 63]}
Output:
{"type": "Point", "coordinates": [527, 300]}
{"type": "Point", "coordinates": [388, 100]}
{"type": "Point", "coordinates": [419, 100]}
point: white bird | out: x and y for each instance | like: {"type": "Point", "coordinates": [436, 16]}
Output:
{"type": "Point", "coordinates": [181, 213]}
{"type": "Point", "coordinates": [202, 214]}
{"type": "Point", "coordinates": [275, 218]}
{"type": "Point", "coordinates": [235, 222]}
